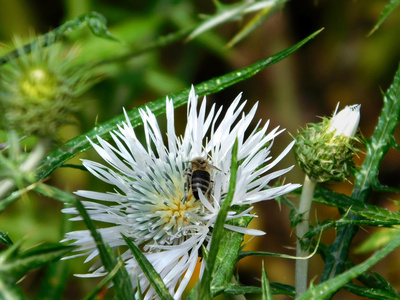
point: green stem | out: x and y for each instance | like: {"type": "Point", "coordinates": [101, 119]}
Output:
{"type": "Point", "coordinates": [301, 229]}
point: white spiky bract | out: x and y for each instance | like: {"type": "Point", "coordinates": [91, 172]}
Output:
{"type": "Point", "coordinates": [147, 180]}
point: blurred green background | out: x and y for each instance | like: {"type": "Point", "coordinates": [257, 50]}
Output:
{"type": "Point", "coordinates": [340, 64]}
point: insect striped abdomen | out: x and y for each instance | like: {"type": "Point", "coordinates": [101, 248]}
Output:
{"type": "Point", "coordinates": [200, 180]}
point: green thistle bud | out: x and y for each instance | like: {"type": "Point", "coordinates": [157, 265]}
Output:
{"type": "Point", "coordinates": [325, 150]}
{"type": "Point", "coordinates": [38, 88]}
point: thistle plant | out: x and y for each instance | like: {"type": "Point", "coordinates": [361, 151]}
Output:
{"type": "Point", "coordinates": [170, 198]}
{"type": "Point", "coordinates": [39, 88]}
{"type": "Point", "coordinates": [324, 151]}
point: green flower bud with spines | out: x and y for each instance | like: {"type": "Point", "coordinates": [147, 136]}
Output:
{"type": "Point", "coordinates": [325, 151]}
{"type": "Point", "coordinates": [38, 89]}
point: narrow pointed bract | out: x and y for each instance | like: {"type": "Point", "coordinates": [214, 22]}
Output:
{"type": "Point", "coordinates": [148, 201]}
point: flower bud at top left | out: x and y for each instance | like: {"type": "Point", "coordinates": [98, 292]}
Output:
{"type": "Point", "coordinates": [39, 87]}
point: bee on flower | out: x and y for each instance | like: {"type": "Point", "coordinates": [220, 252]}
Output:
{"type": "Point", "coordinates": [150, 182]}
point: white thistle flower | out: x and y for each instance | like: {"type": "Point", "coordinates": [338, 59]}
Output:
{"type": "Point", "coordinates": [346, 121]}
{"type": "Point", "coordinates": [148, 203]}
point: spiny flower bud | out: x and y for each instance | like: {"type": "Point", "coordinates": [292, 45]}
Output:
{"type": "Point", "coordinates": [325, 150]}
{"type": "Point", "coordinates": [38, 88]}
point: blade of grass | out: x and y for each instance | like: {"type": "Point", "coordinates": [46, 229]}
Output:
{"type": "Point", "coordinates": [148, 269]}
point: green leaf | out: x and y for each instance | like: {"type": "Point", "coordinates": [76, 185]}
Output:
{"type": "Point", "coordinates": [41, 188]}
{"type": "Point", "coordinates": [95, 21]}
{"type": "Point", "coordinates": [122, 282]}
{"type": "Point", "coordinates": [104, 283]}
{"type": "Point", "coordinates": [257, 20]}
{"type": "Point", "coordinates": [55, 193]}
{"type": "Point", "coordinates": [148, 269]}
{"type": "Point", "coordinates": [266, 289]}
{"type": "Point", "coordinates": [14, 196]}
{"type": "Point", "coordinates": [10, 291]}
{"type": "Point", "coordinates": [276, 289]}
{"type": "Point", "coordinates": [356, 206]}
{"type": "Point", "coordinates": [79, 144]}
{"type": "Point", "coordinates": [204, 291]}
{"type": "Point", "coordinates": [390, 7]}
{"type": "Point", "coordinates": [370, 293]}
{"type": "Point", "coordinates": [387, 285]}
{"type": "Point", "coordinates": [232, 12]}
{"type": "Point", "coordinates": [16, 263]}
{"type": "Point", "coordinates": [5, 239]}
{"type": "Point", "coordinates": [244, 254]}
{"type": "Point", "coordinates": [329, 287]}
{"type": "Point", "coordinates": [375, 240]}
{"type": "Point", "coordinates": [374, 283]}
{"type": "Point", "coordinates": [376, 148]}
{"type": "Point", "coordinates": [55, 280]}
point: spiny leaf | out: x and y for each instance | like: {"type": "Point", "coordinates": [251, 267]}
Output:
{"type": "Point", "coordinates": [16, 263]}
{"type": "Point", "coordinates": [373, 212]}
{"type": "Point", "coordinates": [370, 293]}
{"type": "Point", "coordinates": [329, 287]}
{"type": "Point", "coordinates": [376, 148]}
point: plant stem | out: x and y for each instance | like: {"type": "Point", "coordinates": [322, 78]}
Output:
{"type": "Point", "coordinates": [301, 230]}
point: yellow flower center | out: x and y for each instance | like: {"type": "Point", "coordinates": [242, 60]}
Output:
{"type": "Point", "coordinates": [175, 214]}
{"type": "Point", "coordinates": [38, 85]}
